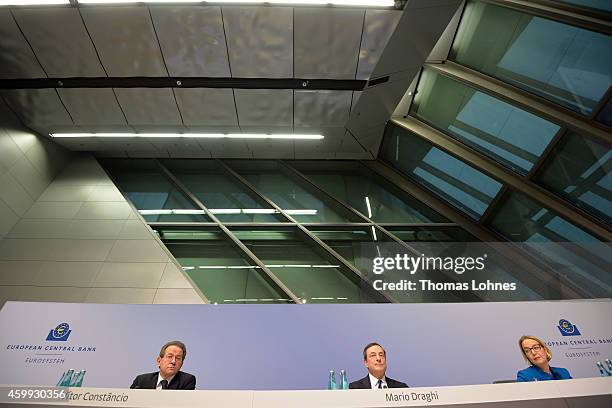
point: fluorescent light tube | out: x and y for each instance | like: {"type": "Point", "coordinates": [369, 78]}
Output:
{"type": "Point", "coordinates": [224, 210]}
{"type": "Point", "coordinates": [31, 2]}
{"type": "Point", "coordinates": [370, 3]}
{"type": "Point", "coordinates": [170, 211]}
{"type": "Point", "coordinates": [189, 135]}
{"type": "Point", "coordinates": [301, 212]}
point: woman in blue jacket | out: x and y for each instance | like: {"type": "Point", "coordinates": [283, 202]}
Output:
{"type": "Point", "coordinates": [538, 355]}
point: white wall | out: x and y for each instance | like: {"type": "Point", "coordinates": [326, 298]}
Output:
{"type": "Point", "coordinates": [73, 237]}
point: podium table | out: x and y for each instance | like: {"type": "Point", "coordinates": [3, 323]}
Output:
{"type": "Point", "coordinates": [588, 393]}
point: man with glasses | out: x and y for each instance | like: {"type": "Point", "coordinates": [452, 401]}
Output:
{"type": "Point", "coordinates": [375, 360]}
{"type": "Point", "coordinates": [169, 376]}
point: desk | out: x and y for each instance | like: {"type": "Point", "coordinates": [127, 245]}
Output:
{"type": "Point", "coordinates": [587, 392]}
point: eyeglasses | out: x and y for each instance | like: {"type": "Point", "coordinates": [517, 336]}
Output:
{"type": "Point", "coordinates": [171, 357]}
{"type": "Point", "coordinates": [534, 349]}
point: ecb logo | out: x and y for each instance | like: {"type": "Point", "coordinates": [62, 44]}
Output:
{"type": "Point", "coordinates": [60, 333]}
{"type": "Point", "coordinates": [568, 329]}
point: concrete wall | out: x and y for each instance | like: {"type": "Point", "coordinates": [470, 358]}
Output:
{"type": "Point", "coordinates": [28, 163]}
{"type": "Point", "coordinates": [73, 237]}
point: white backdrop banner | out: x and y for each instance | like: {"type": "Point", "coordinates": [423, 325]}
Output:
{"type": "Point", "coordinates": [275, 347]}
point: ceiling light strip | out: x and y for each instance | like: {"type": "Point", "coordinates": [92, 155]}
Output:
{"type": "Point", "coordinates": [31, 2]}
{"type": "Point", "coordinates": [368, 3]}
{"type": "Point", "coordinates": [190, 135]}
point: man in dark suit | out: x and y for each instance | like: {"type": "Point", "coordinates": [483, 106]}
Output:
{"type": "Point", "coordinates": [375, 360]}
{"type": "Point", "coordinates": [169, 376]}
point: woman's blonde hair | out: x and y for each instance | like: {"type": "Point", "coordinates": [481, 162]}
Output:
{"type": "Point", "coordinates": [540, 342]}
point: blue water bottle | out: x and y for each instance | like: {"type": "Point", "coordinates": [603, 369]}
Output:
{"type": "Point", "coordinates": [66, 379]}
{"type": "Point", "coordinates": [602, 370]}
{"type": "Point", "coordinates": [62, 379]}
{"type": "Point", "coordinates": [343, 380]}
{"type": "Point", "coordinates": [331, 383]}
{"type": "Point", "coordinates": [78, 380]}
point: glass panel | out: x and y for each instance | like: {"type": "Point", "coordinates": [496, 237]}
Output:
{"type": "Point", "coordinates": [225, 197]}
{"type": "Point", "coordinates": [366, 192]}
{"type": "Point", "coordinates": [604, 5]}
{"type": "Point", "coordinates": [431, 234]}
{"type": "Point", "coordinates": [294, 196]}
{"type": "Point", "coordinates": [584, 261]}
{"type": "Point", "coordinates": [348, 242]}
{"type": "Point", "coordinates": [155, 197]}
{"type": "Point", "coordinates": [579, 169]}
{"type": "Point", "coordinates": [521, 219]}
{"type": "Point", "coordinates": [304, 267]}
{"type": "Point", "coordinates": [568, 65]}
{"type": "Point", "coordinates": [218, 269]}
{"type": "Point", "coordinates": [511, 136]}
{"type": "Point", "coordinates": [456, 182]}
{"type": "Point", "coordinates": [605, 116]}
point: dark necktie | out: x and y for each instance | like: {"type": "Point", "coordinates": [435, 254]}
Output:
{"type": "Point", "coordinates": [379, 384]}
{"type": "Point", "coordinates": [164, 384]}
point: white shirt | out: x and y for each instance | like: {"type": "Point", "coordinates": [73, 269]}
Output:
{"type": "Point", "coordinates": [374, 382]}
{"type": "Point", "coordinates": [159, 380]}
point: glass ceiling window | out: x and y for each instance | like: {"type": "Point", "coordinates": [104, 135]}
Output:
{"type": "Point", "coordinates": [369, 194]}
{"type": "Point", "coordinates": [568, 65]}
{"type": "Point", "coordinates": [152, 193]}
{"type": "Point", "coordinates": [521, 219]}
{"type": "Point", "coordinates": [431, 234]}
{"type": "Point", "coordinates": [568, 250]}
{"type": "Point", "coordinates": [605, 116]}
{"type": "Point", "coordinates": [303, 266]}
{"type": "Point", "coordinates": [456, 182]}
{"type": "Point", "coordinates": [225, 197]}
{"type": "Point", "coordinates": [293, 195]}
{"type": "Point", "coordinates": [579, 169]}
{"type": "Point", "coordinates": [603, 5]}
{"type": "Point", "coordinates": [507, 134]}
{"type": "Point", "coordinates": [219, 270]}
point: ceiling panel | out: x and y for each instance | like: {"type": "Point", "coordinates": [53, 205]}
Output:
{"type": "Point", "coordinates": [371, 138]}
{"type": "Point", "coordinates": [213, 129]}
{"type": "Point", "coordinates": [60, 41]}
{"type": "Point", "coordinates": [178, 145]}
{"type": "Point", "coordinates": [129, 144]}
{"type": "Point", "coordinates": [16, 57]}
{"type": "Point", "coordinates": [421, 25]}
{"type": "Point", "coordinates": [207, 107]}
{"type": "Point", "coordinates": [350, 146]}
{"type": "Point", "coordinates": [82, 144]}
{"type": "Point", "coordinates": [260, 41]}
{"type": "Point", "coordinates": [322, 108]}
{"type": "Point", "coordinates": [224, 148]}
{"type": "Point", "coordinates": [323, 148]}
{"type": "Point", "coordinates": [149, 106]}
{"type": "Point", "coordinates": [264, 107]}
{"type": "Point", "coordinates": [138, 154]}
{"type": "Point", "coordinates": [327, 42]}
{"type": "Point", "coordinates": [37, 107]}
{"type": "Point", "coordinates": [272, 149]}
{"type": "Point", "coordinates": [378, 27]}
{"type": "Point", "coordinates": [356, 96]}
{"type": "Point", "coordinates": [92, 106]}
{"type": "Point", "coordinates": [377, 103]}
{"type": "Point", "coordinates": [192, 40]}
{"type": "Point", "coordinates": [125, 40]}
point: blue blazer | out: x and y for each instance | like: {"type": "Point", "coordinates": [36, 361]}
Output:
{"type": "Point", "coordinates": [534, 373]}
